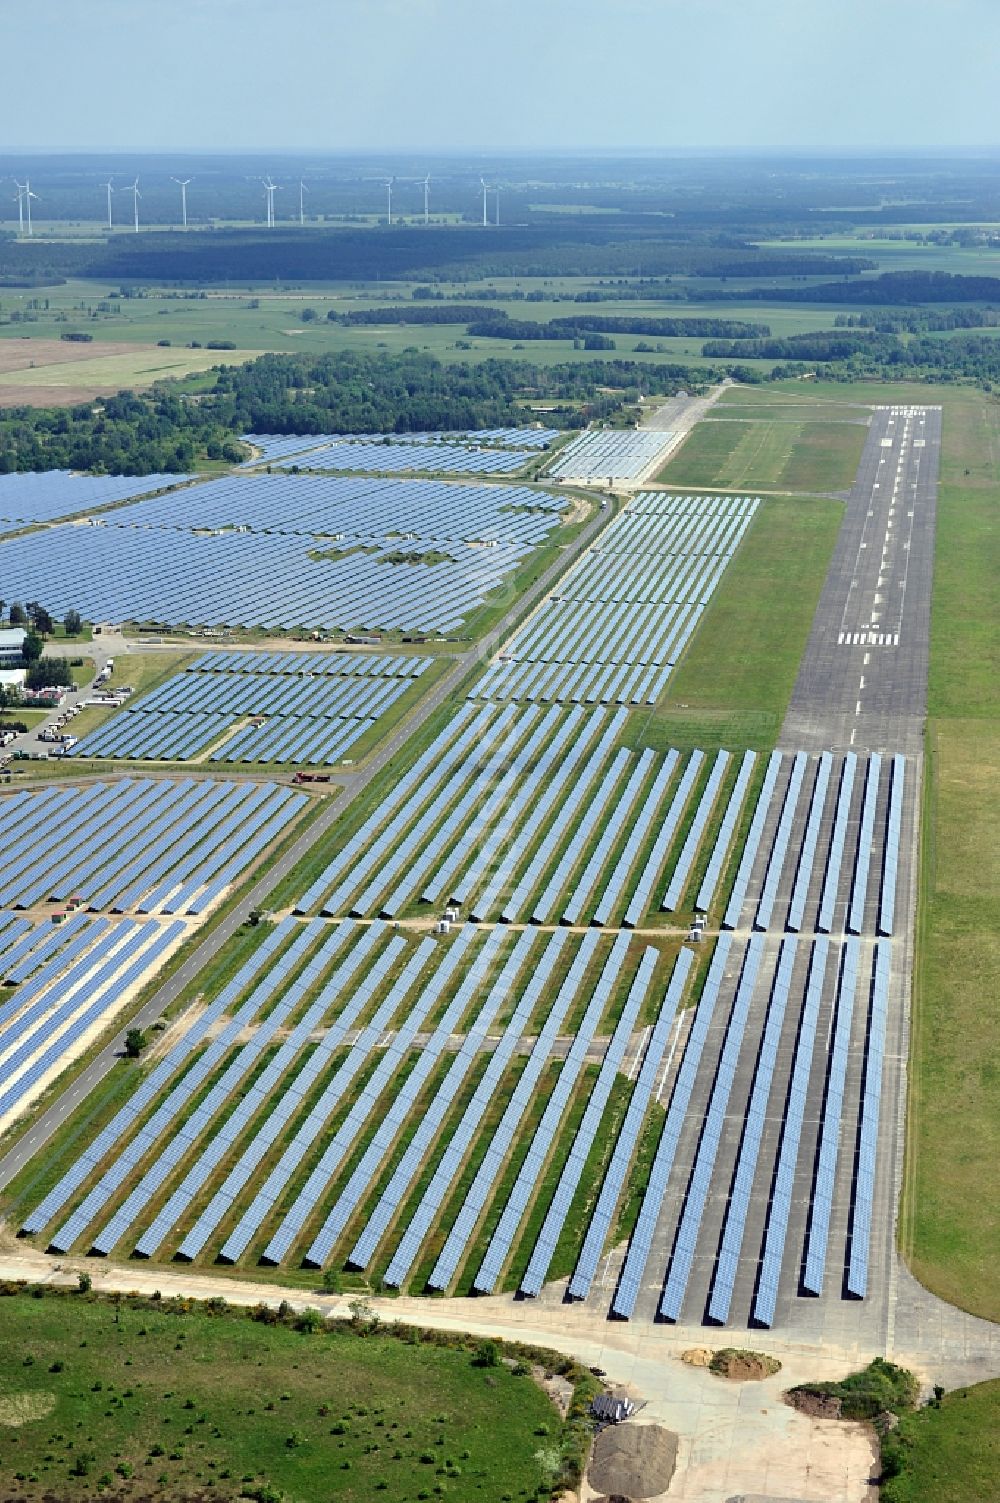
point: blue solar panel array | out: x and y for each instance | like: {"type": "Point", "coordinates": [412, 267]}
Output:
{"type": "Point", "coordinates": [525, 1183]}
{"type": "Point", "coordinates": [623, 616]}
{"type": "Point", "coordinates": [871, 1096]}
{"type": "Point", "coordinates": [111, 1136]}
{"type": "Point", "coordinates": [129, 1155]}
{"type": "Point", "coordinates": [741, 1190]}
{"type": "Point", "coordinates": [685, 861]}
{"type": "Point", "coordinates": [154, 846]}
{"type": "Point", "coordinates": [599, 1227]}
{"type": "Point", "coordinates": [824, 1187]}
{"type": "Point", "coordinates": [267, 1197]}
{"type": "Point", "coordinates": [395, 1192]}
{"type": "Point", "coordinates": [307, 718]}
{"type": "Point", "coordinates": [859, 889]}
{"type": "Point", "coordinates": [776, 860]}
{"type": "Point", "coordinates": [835, 858]}
{"type": "Point", "coordinates": [457, 1149]}
{"type": "Point", "coordinates": [727, 832]}
{"type": "Point", "coordinates": [766, 1295]}
{"type": "Point", "coordinates": [634, 1267]}
{"type": "Point", "coordinates": [45, 496]}
{"type": "Point", "coordinates": [403, 1104]}
{"type": "Point", "coordinates": [734, 909]}
{"type": "Point", "coordinates": [890, 861]}
{"type": "Point", "coordinates": [807, 852]}
{"type": "Point", "coordinates": [685, 1242]}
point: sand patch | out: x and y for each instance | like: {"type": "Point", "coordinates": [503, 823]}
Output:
{"type": "Point", "coordinates": [633, 1461]}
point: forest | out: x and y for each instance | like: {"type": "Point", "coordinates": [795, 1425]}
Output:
{"type": "Point", "coordinates": [170, 432]}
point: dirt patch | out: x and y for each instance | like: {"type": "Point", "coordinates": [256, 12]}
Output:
{"type": "Point", "coordinates": [21, 1408]}
{"type": "Point", "coordinates": [633, 1461]}
{"type": "Point", "coordinates": [697, 1356]}
{"type": "Point", "coordinates": [741, 1366]}
{"type": "Point", "coordinates": [816, 1405]}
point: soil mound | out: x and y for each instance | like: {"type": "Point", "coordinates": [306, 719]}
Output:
{"type": "Point", "coordinates": [633, 1461]}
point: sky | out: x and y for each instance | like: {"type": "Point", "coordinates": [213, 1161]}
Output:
{"type": "Point", "coordinates": [455, 75]}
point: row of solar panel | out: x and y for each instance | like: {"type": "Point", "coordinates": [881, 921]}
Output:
{"type": "Point", "coordinates": [282, 445]}
{"type": "Point", "coordinates": [45, 1022]}
{"type": "Point", "coordinates": [158, 846]}
{"type": "Point", "coordinates": [360, 509]}
{"type": "Point", "coordinates": [44, 496]}
{"type": "Point", "coordinates": [339, 664]}
{"type": "Point", "coordinates": [388, 457]}
{"type": "Point", "coordinates": [628, 610]}
{"type": "Point", "coordinates": [615, 454]}
{"type": "Point", "coordinates": [174, 1132]}
{"type": "Point", "coordinates": [234, 578]}
{"type": "Point", "coordinates": [570, 823]}
{"type": "Point", "coordinates": [808, 865]}
{"type": "Point", "coordinates": [852, 987]}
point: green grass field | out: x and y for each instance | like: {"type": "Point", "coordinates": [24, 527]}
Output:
{"type": "Point", "coordinates": [948, 1454]}
{"type": "Point", "coordinates": [157, 1401]}
{"type": "Point", "coordinates": [750, 450]}
{"type": "Point", "coordinates": [949, 1228]}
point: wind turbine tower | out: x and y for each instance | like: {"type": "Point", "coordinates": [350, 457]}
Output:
{"type": "Point", "coordinates": [136, 195]}
{"type": "Point", "coordinates": [109, 190]}
{"type": "Point", "coordinates": [497, 219]}
{"type": "Point", "coordinates": [20, 206]}
{"type": "Point", "coordinates": [388, 188]}
{"type": "Point", "coordinates": [302, 211]}
{"type": "Point", "coordinates": [182, 184]}
{"type": "Point", "coordinates": [269, 188]}
{"type": "Point", "coordinates": [427, 199]}
{"type": "Point", "coordinates": [482, 183]}
{"type": "Point", "coordinates": [28, 196]}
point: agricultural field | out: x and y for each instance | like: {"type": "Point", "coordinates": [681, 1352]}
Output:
{"type": "Point", "coordinates": [178, 1400]}
{"type": "Point", "coordinates": [46, 372]}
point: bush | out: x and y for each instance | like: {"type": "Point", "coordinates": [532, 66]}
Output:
{"type": "Point", "coordinates": [878, 1388]}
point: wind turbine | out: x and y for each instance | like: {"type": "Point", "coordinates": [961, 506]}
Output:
{"type": "Point", "coordinates": [302, 212]}
{"type": "Point", "coordinates": [110, 190]}
{"type": "Point", "coordinates": [182, 184]}
{"type": "Point", "coordinates": [28, 196]}
{"type": "Point", "coordinates": [427, 199]}
{"type": "Point", "coordinates": [497, 192]}
{"type": "Point", "coordinates": [388, 188]}
{"type": "Point", "coordinates": [20, 206]}
{"type": "Point", "coordinates": [270, 187]}
{"type": "Point", "coordinates": [482, 182]}
{"type": "Point", "coordinates": [136, 195]}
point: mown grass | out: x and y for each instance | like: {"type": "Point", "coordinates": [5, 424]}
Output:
{"type": "Point", "coordinates": [948, 1226]}
{"type": "Point", "coordinates": [733, 685]}
{"type": "Point", "coordinates": [174, 1403]}
{"type": "Point", "coordinates": [947, 1452]}
{"type": "Point", "coordinates": [795, 454]}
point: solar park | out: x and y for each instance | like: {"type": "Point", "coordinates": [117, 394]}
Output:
{"type": "Point", "coordinates": [309, 709]}
{"type": "Point", "coordinates": [680, 959]}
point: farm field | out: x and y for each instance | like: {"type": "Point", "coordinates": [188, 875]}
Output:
{"type": "Point", "coordinates": [263, 319]}
{"type": "Point", "coordinates": [50, 373]}
{"type": "Point", "coordinates": [792, 454]}
{"type": "Point", "coordinates": [178, 1401]}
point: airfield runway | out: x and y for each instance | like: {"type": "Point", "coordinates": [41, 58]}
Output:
{"type": "Point", "coordinates": [862, 683]}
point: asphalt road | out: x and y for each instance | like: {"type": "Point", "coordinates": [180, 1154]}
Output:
{"type": "Point", "coordinates": [351, 786]}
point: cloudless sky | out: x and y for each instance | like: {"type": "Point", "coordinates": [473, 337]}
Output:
{"type": "Point", "coordinates": [497, 74]}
